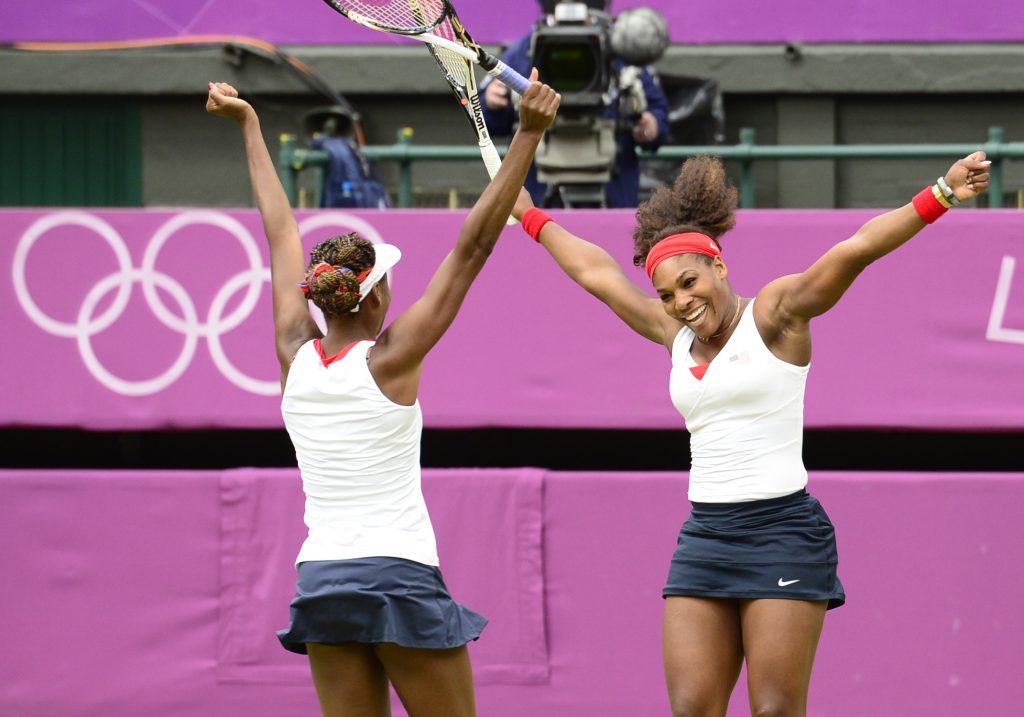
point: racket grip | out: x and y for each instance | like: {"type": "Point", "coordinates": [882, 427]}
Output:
{"type": "Point", "coordinates": [509, 76]}
{"type": "Point", "coordinates": [493, 163]}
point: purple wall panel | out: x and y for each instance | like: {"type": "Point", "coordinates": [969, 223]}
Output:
{"type": "Point", "coordinates": [312, 22]}
{"type": "Point", "coordinates": [157, 592]}
{"type": "Point", "coordinates": [165, 322]}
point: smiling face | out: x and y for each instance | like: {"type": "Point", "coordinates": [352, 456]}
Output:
{"type": "Point", "coordinates": [694, 291]}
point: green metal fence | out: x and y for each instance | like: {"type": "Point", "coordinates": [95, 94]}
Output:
{"type": "Point", "coordinates": [747, 153]}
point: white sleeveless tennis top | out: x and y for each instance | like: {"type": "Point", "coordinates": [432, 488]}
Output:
{"type": "Point", "coordinates": [745, 418]}
{"type": "Point", "coordinates": [359, 455]}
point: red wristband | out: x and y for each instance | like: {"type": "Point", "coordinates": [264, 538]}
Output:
{"type": "Point", "coordinates": [533, 221]}
{"type": "Point", "coordinates": [927, 206]}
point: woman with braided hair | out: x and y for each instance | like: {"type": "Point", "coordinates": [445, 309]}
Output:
{"type": "Point", "coordinates": [755, 564]}
{"type": "Point", "coordinates": [336, 269]}
{"type": "Point", "coordinates": [371, 607]}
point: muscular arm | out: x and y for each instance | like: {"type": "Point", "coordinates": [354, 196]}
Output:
{"type": "Point", "coordinates": [293, 324]}
{"type": "Point", "coordinates": [819, 288]}
{"type": "Point", "coordinates": [400, 350]}
{"type": "Point", "coordinates": [595, 270]}
{"type": "Point", "coordinates": [786, 306]}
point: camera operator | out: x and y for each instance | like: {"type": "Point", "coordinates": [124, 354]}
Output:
{"type": "Point", "coordinates": [647, 129]}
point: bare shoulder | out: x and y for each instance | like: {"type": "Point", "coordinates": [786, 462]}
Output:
{"type": "Point", "coordinates": [770, 307]}
{"type": "Point", "coordinates": [670, 329]}
{"type": "Point", "coordinates": [397, 374]}
{"type": "Point", "coordinates": [787, 336]}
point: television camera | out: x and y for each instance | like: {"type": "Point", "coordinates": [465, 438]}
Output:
{"type": "Point", "coordinates": [574, 49]}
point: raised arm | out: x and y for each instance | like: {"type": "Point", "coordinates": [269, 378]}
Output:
{"type": "Point", "coordinates": [293, 324]}
{"type": "Point", "coordinates": [596, 270]}
{"type": "Point", "coordinates": [400, 350]}
{"type": "Point", "coordinates": [786, 305]}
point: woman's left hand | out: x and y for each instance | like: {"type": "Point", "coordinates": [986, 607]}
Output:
{"type": "Point", "coordinates": [969, 176]}
{"type": "Point", "coordinates": [223, 101]}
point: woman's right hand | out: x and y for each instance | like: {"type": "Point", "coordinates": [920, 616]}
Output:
{"type": "Point", "coordinates": [969, 176]}
{"type": "Point", "coordinates": [223, 101]}
{"type": "Point", "coordinates": [524, 203]}
{"type": "Point", "coordinates": [538, 107]}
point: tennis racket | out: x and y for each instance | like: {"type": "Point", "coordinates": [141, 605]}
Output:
{"type": "Point", "coordinates": [435, 23]}
{"type": "Point", "coordinates": [458, 72]}
{"type": "Point", "coordinates": [423, 20]}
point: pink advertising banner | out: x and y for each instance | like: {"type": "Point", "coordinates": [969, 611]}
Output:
{"type": "Point", "coordinates": [157, 593]}
{"type": "Point", "coordinates": [162, 319]}
{"type": "Point", "coordinates": [312, 22]}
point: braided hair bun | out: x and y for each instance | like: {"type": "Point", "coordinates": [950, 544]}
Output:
{"type": "Point", "coordinates": [336, 268]}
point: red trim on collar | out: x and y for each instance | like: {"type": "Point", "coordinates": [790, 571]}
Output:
{"type": "Point", "coordinates": [327, 361]}
{"type": "Point", "coordinates": [699, 371]}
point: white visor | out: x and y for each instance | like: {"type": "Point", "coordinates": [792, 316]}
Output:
{"type": "Point", "coordinates": [387, 255]}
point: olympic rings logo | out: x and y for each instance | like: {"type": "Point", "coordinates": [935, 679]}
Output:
{"type": "Point", "coordinates": [87, 324]}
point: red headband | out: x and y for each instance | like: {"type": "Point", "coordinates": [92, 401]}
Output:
{"type": "Point", "coordinates": [686, 243]}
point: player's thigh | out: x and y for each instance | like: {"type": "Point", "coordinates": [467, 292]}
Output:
{"type": "Point", "coordinates": [780, 639]}
{"type": "Point", "coordinates": [430, 682]}
{"type": "Point", "coordinates": [349, 680]}
{"type": "Point", "coordinates": [703, 652]}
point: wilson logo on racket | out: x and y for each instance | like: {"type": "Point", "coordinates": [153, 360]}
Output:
{"type": "Point", "coordinates": [478, 115]}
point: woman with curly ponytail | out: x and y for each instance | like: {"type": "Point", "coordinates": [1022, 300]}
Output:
{"type": "Point", "coordinates": [755, 566]}
{"type": "Point", "coordinates": [371, 607]}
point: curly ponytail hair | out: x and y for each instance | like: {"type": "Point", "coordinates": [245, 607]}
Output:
{"type": "Point", "coordinates": [336, 268]}
{"type": "Point", "coordinates": [700, 200]}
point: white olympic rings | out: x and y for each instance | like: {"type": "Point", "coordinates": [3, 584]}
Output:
{"type": "Point", "coordinates": [187, 322]}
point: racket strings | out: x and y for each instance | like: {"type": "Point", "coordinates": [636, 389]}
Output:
{"type": "Point", "coordinates": [445, 30]}
{"type": "Point", "coordinates": [399, 15]}
{"type": "Point", "coordinates": [458, 68]}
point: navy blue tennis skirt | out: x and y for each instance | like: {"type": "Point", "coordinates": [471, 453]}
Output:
{"type": "Point", "coordinates": [776, 548]}
{"type": "Point", "coordinates": [373, 600]}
